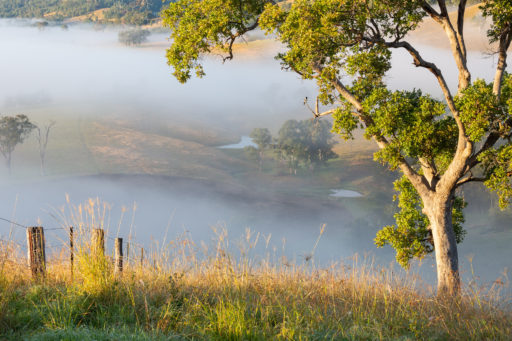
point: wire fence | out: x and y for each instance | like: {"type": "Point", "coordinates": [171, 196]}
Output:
{"type": "Point", "coordinates": [37, 248]}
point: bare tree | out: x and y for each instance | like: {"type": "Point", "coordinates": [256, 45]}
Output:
{"type": "Point", "coordinates": [42, 138]}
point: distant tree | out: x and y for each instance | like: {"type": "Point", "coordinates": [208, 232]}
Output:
{"type": "Point", "coordinates": [133, 37]}
{"type": "Point", "coordinates": [41, 25]}
{"type": "Point", "coordinates": [13, 131]}
{"type": "Point", "coordinates": [290, 144]}
{"type": "Point", "coordinates": [263, 139]}
{"type": "Point", "coordinates": [252, 153]}
{"type": "Point", "coordinates": [307, 143]}
{"type": "Point", "coordinates": [42, 138]}
{"type": "Point", "coordinates": [320, 141]}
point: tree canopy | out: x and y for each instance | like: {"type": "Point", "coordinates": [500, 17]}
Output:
{"type": "Point", "coordinates": [305, 142]}
{"type": "Point", "coordinates": [13, 131]}
{"type": "Point", "coordinates": [437, 144]}
{"type": "Point", "coordinates": [133, 36]}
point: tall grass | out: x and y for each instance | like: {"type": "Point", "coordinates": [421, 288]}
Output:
{"type": "Point", "coordinates": [188, 292]}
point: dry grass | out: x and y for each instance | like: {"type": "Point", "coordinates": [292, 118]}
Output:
{"type": "Point", "coordinates": [184, 291]}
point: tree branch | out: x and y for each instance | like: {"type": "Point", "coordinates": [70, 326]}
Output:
{"type": "Point", "coordinates": [469, 179]}
{"type": "Point", "coordinates": [431, 12]}
{"type": "Point", "coordinates": [505, 40]}
{"type": "Point", "coordinates": [420, 62]}
{"type": "Point", "coordinates": [442, 7]}
{"type": "Point", "coordinates": [419, 181]}
{"type": "Point", "coordinates": [460, 26]}
{"type": "Point", "coordinates": [233, 37]}
{"type": "Point", "coordinates": [491, 140]}
{"type": "Point", "coordinates": [316, 112]}
{"type": "Point", "coordinates": [458, 46]}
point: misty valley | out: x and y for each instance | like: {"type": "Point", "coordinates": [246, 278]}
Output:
{"type": "Point", "coordinates": [127, 133]}
{"type": "Point", "coordinates": [255, 170]}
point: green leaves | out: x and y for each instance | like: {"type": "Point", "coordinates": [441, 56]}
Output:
{"type": "Point", "coordinates": [411, 237]}
{"type": "Point", "coordinates": [479, 110]}
{"type": "Point", "coordinates": [500, 11]}
{"type": "Point", "coordinates": [307, 142]}
{"type": "Point", "coordinates": [262, 137]}
{"type": "Point", "coordinates": [13, 131]}
{"type": "Point", "coordinates": [201, 26]}
{"type": "Point", "coordinates": [415, 126]}
{"type": "Point", "coordinates": [497, 164]}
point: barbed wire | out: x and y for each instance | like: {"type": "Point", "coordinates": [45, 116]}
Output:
{"type": "Point", "coordinates": [13, 223]}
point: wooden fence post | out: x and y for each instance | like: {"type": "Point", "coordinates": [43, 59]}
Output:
{"type": "Point", "coordinates": [71, 251]}
{"type": "Point", "coordinates": [98, 242]}
{"type": "Point", "coordinates": [141, 257]}
{"type": "Point", "coordinates": [118, 256]}
{"type": "Point", "coordinates": [36, 252]}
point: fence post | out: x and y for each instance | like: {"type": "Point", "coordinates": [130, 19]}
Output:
{"type": "Point", "coordinates": [118, 256]}
{"type": "Point", "coordinates": [36, 251]}
{"type": "Point", "coordinates": [71, 251]}
{"type": "Point", "coordinates": [141, 257]}
{"type": "Point", "coordinates": [98, 242]}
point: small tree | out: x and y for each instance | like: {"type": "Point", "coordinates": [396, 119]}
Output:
{"type": "Point", "coordinates": [13, 131]}
{"type": "Point", "coordinates": [42, 139]}
{"type": "Point", "coordinates": [133, 37]}
{"type": "Point", "coordinates": [263, 139]}
{"type": "Point", "coordinates": [307, 142]}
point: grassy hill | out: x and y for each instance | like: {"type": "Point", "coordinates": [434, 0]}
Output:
{"type": "Point", "coordinates": [136, 12]}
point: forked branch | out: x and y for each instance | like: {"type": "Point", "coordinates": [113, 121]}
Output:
{"type": "Point", "coordinates": [316, 112]}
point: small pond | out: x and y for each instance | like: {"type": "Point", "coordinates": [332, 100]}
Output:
{"type": "Point", "coordinates": [245, 141]}
{"type": "Point", "coordinates": [345, 193]}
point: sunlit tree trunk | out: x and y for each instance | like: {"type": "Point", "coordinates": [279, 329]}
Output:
{"type": "Point", "coordinates": [439, 213]}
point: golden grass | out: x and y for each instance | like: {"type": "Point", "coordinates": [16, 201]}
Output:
{"type": "Point", "coordinates": [208, 293]}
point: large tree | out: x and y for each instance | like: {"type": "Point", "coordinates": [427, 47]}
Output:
{"type": "Point", "coordinates": [345, 45]}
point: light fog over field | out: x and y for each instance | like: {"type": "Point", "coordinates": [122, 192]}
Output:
{"type": "Point", "coordinates": [127, 132]}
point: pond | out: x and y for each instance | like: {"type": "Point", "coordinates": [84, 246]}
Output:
{"type": "Point", "coordinates": [245, 141]}
{"type": "Point", "coordinates": [345, 193]}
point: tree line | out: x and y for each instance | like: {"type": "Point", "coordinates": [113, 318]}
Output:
{"type": "Point", "coordinates": [298, 144]}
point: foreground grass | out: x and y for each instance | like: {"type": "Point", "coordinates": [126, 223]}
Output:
{"type": "Point", "coordinates": [220, 299]}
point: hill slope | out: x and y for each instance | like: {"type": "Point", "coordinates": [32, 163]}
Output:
{"type": "Point", "coordinates": [136, 12]}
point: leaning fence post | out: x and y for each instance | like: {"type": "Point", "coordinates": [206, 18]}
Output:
{"type": "Point", "coordinates": [36, 251]}
{"type": "Point", "coordinates": [118, 256]}
{"type": "Point", "coordinates": [98, 242]}
{"type": "Point", "coordinates": [71, 251]}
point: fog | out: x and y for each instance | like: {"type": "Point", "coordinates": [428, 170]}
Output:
{"type": "Point", "coordinates": [83, 74]}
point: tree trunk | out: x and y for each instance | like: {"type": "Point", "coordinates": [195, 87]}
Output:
{"type": "Point", "coordinates": [439, 212]}
{"type": "Point", "coordinates": [42, 166]}
{"type": "Point", "coordinates": [8, 162]}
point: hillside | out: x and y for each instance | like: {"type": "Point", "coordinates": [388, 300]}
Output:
{"type": "Point", "coordinates": [136, 12]}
